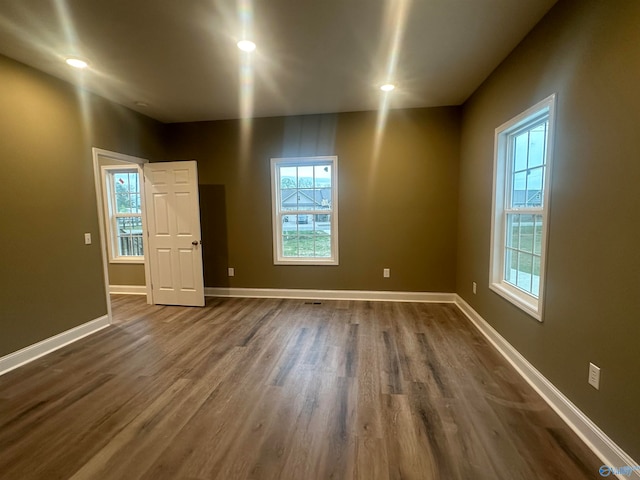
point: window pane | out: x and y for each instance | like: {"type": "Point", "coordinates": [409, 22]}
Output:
{"type": "Point", "coordinates": [305, 177]}
{"type": "Point", "coordinates": [130, 246]}
{"type": "Point", "coordinates": [522, 270]}
{"type": "Point", "coordinates": [510, 266]}
{"type": "Point", "coordinates": [288, 177]}
{"type": "Point", "coordinates": [520, 146]}
{"type": "Point", "coordinates": [513, 230]}
{"type": "Point", "coordinates": [323, 245]}
{"type": "Point", "coordinates": [124, 225]}
{"type": "Point", "coordinates": [129, 225]}
{"type": "Point", "coordinates": [323, 196]}
{"type": "Point", "coordinates": [129, 236]}
{"type": "Point", "coordinates": [525, 262]}
{"type": "Point", "coordinates": [290, 244]}
{"type": "Point", "coordinates": [127, 192]}
{"type": "Point", "coordinates": [519, 189]}
{"type": "Point", "coordinates": [322, 232]}
{"type": "Point", "coordinates": [289, 223]}
{"type": "Point", "coordinates": [322, 224]}
{"type": "Point", "coordinates": [537, 234]}
{"type": "Point", "coordinates": [534, 187]}
{"type": "Point", "coordinates": [133, 183]}
{"type": "Point", "coordinates": [537, 144]}
{"type": "Point", "coordinates": [289, 199]}
{"type": "Point", "coordinates": [535, 287]}
{"type": "Point", "coordinates": [134, 203]}
{"type": "Point", "coordinates": [322, 174]}
{"type": "Point", "coordinates": [307, 199]}
{"type": "Point", "coordinates": [526, 233]}
{"type": "Point", "coordinates": [306, 246]}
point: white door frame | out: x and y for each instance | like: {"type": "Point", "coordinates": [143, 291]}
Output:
{"type": "Point", "coordinates": [97, 153]}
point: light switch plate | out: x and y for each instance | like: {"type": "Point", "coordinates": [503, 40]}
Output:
{"type": "Point", "coordinates": [594, 376]}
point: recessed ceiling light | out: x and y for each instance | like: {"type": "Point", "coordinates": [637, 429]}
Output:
{"type": "Point", "coordinates": [387, 87]}
{"type": "Point", "coordinates": [246, 45]}
{"type": "Point", "coordinates": [76, 62]}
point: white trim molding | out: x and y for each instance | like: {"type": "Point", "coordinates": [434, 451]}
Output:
{"type": "Point", "coordinates": [605, 448]}
{"type": "Point", "coordinates": [127, 289]}
{"type": "Point", "coordinates": [28, 354]}
{"type": "Point", "coordinates": [505, 206]}
{"type": "Point", "coordinates": [378, 296]}
{"type": "Point", "coordinates": [98, 153]}
{"type": "Point", "coordinates": [279, 214]}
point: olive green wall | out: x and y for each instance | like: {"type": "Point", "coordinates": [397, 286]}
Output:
{"type": "Point", "coordinates": [586, 51]}
{"type": "Point", "coordinates": [122, 273]}
{"type": "Point", "coordinates": [397, 210]}
{"type": "Point", "coordinates": [49, 280]}
{"type": "Point", "coordinates": [126, 274]}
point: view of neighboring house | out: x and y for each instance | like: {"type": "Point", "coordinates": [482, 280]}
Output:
{"type": "Point", "coordinates": [306, 199]}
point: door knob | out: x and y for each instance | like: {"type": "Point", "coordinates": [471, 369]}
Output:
{"type": "Point", "coordinates": [194, 243]}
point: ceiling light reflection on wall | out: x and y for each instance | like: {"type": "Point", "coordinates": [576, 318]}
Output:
{"type": "Point", "coordinates": [246, 45]}
{"type": "Point", "coordinates": [387, 87]}
{"type": "Point", "coordinates": [76, 62]}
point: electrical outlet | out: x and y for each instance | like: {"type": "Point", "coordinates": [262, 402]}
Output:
{"type": "Point", "coordinates": [594, 376]}
{"type": "Point", "coordinates": [474, 286]}
{"type": "Point", "coordinates": [87, 239]}
{"type": "Point", "coordinates": [386, 273]}
{"type": "Point", "coordinates": [232, 271]}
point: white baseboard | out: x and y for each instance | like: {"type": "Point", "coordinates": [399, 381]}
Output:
{"type": "Point", "coordinates": [605, 448]}
{"type": "Point", "coordinates": [127, 289]}
{"type": "Point", "coordinates": [379, 296]}
{"type": "Point", "coordinates": [37, 350]}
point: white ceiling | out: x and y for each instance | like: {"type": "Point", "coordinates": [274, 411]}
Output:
{"type": "Point", "coordinates": [313, 56]}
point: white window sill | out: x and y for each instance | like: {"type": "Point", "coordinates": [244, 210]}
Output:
{"type": "Point", "coordinates": [522, 300]}
{"type": "Point", "coordinates": [127, 260]}
{"type": "Point", "coordinates": [302, 261]}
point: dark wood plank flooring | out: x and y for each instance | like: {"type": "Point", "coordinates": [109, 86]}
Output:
{"type": "Point", "coordinates": [281, 389]}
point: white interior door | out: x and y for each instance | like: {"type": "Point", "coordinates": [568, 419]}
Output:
{"type": "Point", "coordinates": [175, 248]}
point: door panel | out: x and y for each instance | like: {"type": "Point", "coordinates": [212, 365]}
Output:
{"type": "Point", "coordinates": [175, 252]}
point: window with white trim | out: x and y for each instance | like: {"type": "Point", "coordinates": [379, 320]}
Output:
{"type": "Point", "coordinates": [123, 213]}
{"type": "Point", "coordinates": [522, 169]}
{"type": "Point", "coordinates": [304, 198]}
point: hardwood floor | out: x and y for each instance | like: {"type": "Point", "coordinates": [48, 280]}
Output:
{"type": "Point", "coordinates": [281, 389]}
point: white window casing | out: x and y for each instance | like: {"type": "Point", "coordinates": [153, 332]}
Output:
{"type": "Point", "coordinates": [304, 199]}
{"type": "Point", "coordinates": [522, 178]}
{"type": "Point", "coordinates": [124, 226]}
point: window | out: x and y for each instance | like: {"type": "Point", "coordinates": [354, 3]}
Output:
{"type": "Point", "coordinates": [123, 214]}
{"type": "Point", "coordinates": [304, 194]}
{"type": "Point", "coordinates": [523, 150]}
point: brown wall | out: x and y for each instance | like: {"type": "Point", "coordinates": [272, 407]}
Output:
{"type": "Point", "coordinates": [398, 211]}
{"type": "Point", "coordinates": [589, 54]}
{"type": "Point", "coordinates": [49, 280]}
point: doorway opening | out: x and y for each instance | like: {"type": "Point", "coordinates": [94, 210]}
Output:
{"type": "Point", "coordinates": [122, 221]}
